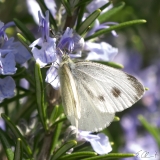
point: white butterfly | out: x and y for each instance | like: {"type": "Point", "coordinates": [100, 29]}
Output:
{"type": "Point", "coordinates": [92, 93]}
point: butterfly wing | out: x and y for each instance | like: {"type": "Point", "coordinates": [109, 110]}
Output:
{"type": "Point", "coordinates": [69, 95]}
{"type": "Point", "coordinates": [102, 91]}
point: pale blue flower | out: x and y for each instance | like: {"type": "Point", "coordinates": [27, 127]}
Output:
{"type": "Point", "coordinates": [44, 48]}
{"type": "Point", "coordinates": [46, 53]}
{"type": "Point", "coordinates": [10, 53]}
{"type": "Point", "coordinates": [52, 76]}
{"type": "Point", "coordinates": [7, 64]}
{"type": "Point", "coordinates": [100, 142]}
{"type": "Point", "coordinates": [7, 86]}
{"type": "Point", "coordinates": [71, 41]}
{"type": "Point", "coordinates": [20, 52]}
{"type": "Point", "coordinates": [100, 51]}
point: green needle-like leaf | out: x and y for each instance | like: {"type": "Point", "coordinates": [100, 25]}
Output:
{"type": "Point", "coordinates": [18, 154]}
{"type": "Point", "coordinates": [55, 113]}
{"type": "Point", "coordinates": [6, 145]}
{"type": "Point", "coordinates": [88, 21]}
{"type": "Point", "coordinates": [17, 134]}
{"type": "Point", "coordinates": [82, 2]}
{"type": "Point", "coordinates": [24, 30]}
{"type": "Point", "coordinates": [56, 135]}
{"type": "Point", "coordinates": [59, 121]}
{"type": "Point", "coordinates": [40, 96]}
{"type": "Point", "coordinates": [80, 16]}
{"type": "Point", "coordinates": [7, 101]}
{"type": "Point", "coordinates": [111, 156]}
{"type": "Point", "coordinates": [116, 27]}
{"type": "Point", "coordinates": [151, 129]}
{"type": "Point", "coordinates": [78, 155]}
{"type": "Point", "coordinates": [23, 39]}
{"type": "Point", "coordinates": [105, 16]}
{"type": "Point", "coordinates": [105, 6]}
{"type": "Point", "coordinates": [66, 147]}
{"type": "Point", "coordinates": [67, 7]}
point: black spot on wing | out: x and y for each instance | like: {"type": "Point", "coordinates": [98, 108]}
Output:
{"type": "Point", "coordinates": [101, 98]}
{"type": "Point", "coordinates": [116, 92]}
{"type": "Point", "coordinates": [137, 85]}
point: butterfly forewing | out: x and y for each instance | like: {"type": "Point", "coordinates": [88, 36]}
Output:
{"type": "Point", "coordinates": [113, 90]}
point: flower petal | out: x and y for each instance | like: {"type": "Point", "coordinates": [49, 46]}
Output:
{"type": "Point", "coordinates": [46, 52]}
{"type": "Point", "coordinates": [100, 51]}
{"type": "Point", "coordinates": [7, 86]}
{"type": "Point", "coordinates": [101, 145]}
{"type": "Point", "coordinates": [52, 76]}
{"type": "Point", "coordinates": [71, 41]}
{"type": "Point", "coordinates": [21, 53]}
{"type": "Point", "coordinates": [7, 64]}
